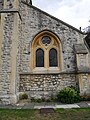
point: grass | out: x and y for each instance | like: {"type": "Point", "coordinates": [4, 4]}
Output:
{"type": "Point", "coordinates": [60, 114]}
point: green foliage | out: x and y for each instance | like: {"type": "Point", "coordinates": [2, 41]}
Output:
{"type": "Point", "coordinates": [68, 95]}
{"type": "Point", "coordinates": [39, 100]}
{"type": "Point", "coordinates": [23, 96]}
{"type": "Point", "coordinates": [75, 89]}
{"type": "Point", "coordinates": [32, 114]}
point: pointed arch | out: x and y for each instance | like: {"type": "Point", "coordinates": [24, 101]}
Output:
{"type": "Point", "coordinates": [46, 32]}
{"type": "Point", "coordinates": [46, 45]}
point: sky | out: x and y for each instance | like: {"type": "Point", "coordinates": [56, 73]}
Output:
{"type": "Point", "coordinates": [73, 12]}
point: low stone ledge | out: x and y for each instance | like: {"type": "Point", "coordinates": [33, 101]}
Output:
{"type": "Point", "coordinates": [48, 73]}
{"type": "Point", "coordinates": [80, 49]}
{"type": "Point", "coordinates": [83, 70]}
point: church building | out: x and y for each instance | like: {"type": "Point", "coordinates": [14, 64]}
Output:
{"type": "Point", "coordinates": [39, 54]}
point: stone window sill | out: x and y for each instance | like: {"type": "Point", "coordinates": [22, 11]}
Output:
{"type": "Point", "coordinates": [41, 70]}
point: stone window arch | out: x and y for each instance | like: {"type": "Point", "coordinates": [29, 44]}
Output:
{"type": "Point", "coordinates": [46, 53]}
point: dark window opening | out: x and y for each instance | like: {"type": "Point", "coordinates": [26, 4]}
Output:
{"type": "Point", "coordinates": [39, 58]}
{"type": "Point", "coordinates": [53, 62]}
{"type": "Point", "coordinates": [88, 40]}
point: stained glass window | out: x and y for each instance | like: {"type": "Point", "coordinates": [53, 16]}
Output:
{"type": "Point", "coordinates": [46, 40]}
{"type": "Point", "coordinates": [87, 39]}
{"type": "Point", "coordinates": [53, 62]}
{"type": "Point", "coordinates": [88, 42]}
{"type": "Point", "coordinates": [39, 58]}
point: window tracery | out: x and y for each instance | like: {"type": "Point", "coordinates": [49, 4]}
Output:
{"type": "Point", "coordinates": [46, 50]}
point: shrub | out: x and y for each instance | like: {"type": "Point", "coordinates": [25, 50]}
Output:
{"type": "Point", "coordinates": [39, 100]}
{"type": "Point", "coordinates": [23, 96]}
{"type": "Point", "coordinates": [68, 95]}
{"type": "Point", "coordinates": [33, 99]}
{"type": "Point", "coordinates": [76, 89]}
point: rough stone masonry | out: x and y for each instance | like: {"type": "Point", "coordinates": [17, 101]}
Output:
{"type": "Point", "coordinates": [22, 27]}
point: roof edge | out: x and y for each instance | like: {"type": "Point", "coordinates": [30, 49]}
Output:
{"type": "Point", "coordinates": [54, 17]}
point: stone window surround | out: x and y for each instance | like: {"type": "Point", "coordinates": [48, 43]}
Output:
{"type": "Point", "coordinates": [36, 44]}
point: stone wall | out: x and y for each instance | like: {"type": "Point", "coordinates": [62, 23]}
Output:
{"type": "Point", "coordinates": [39, 85]}
{"type": "Point", "coordinates": [84, 84]}
{"type": "Point", "coordinates": [1, 4]}
{"type": "Point", "coordinates": [34, 21]}
{"type": "Point", "coordinates": [6, 57]}
{"type": "Point", "coordinates": [16, 48]}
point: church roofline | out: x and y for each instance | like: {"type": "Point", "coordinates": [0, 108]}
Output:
{"type": "Point", "coordinates": [54, 17]}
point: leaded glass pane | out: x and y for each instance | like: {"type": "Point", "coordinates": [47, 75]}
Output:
{"type": "Point", "coordinates": [46, 40]}
{"type": "Point", "coordinates": [88, 42]}
{"type": "Point", "coordinates": [53, 62]}
{"type": "Point", "coordinates": [39, 58]}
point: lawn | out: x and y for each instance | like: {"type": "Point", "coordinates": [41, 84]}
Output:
{"type": "Point", "coordinates": [60, 114]}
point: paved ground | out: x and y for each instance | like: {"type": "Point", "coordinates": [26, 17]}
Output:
{"type": "Point", "coordinates": [25, 105]}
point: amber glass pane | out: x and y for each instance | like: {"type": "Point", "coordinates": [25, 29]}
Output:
{"type": "Point", "coordinates": [53, 62]}
{"type": "Point", "coordinates": [39, 58]}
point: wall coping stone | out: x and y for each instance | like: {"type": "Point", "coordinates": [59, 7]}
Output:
{"type": "Point", "coordinates": [80, 49]}
{"type": "Point", "coordinates": [12, 10]}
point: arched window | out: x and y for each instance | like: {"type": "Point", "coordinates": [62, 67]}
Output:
{"type": "Point", "coordinates": [53, 61]}
{"type": "Point", "coordinates": [46, 53]}
{"type": "Point", "coordinates": [39, 58]}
